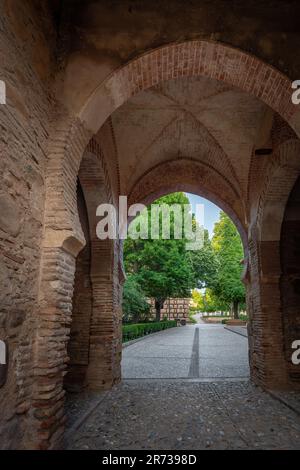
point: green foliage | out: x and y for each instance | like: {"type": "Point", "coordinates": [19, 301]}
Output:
{"type": "Point", "coordinates": [141, 329]}
{"type": "Point", "coordinates": [226, 243]}
{"type": "Point", "coordinates": [207, 301]}
{"type": "Point", "coordinates": [191, 316]}
{"type": "Point", "coordinates": [243, 317]}
{"type": "Point", "coordinates": [218, 269]}
{"type": "Point", "coordinates": [165, 269]}
{"type": "Point", "coordinates": [163, 266]}
{"type": "Point", "coordinates": [204, 262]}
{"type": "Point", "coordinates": [135, 305]}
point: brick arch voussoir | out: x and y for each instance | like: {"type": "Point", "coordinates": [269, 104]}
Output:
{"type": "Point", "coordinates": [189, 175]}
{"type": "Point", "coordinates": [94, 179]}
{"type": "Point", "coordinates": [66, 147]}
{"type": "Point", "coordinates": [281, 178]}
{"type": "Point", "coordinates": [192, 58]}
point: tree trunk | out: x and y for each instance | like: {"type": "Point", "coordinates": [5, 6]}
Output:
{"type": "Point", "coordinates": [236, 309]}
{"type": "Point", "coordinates": [159, 303]}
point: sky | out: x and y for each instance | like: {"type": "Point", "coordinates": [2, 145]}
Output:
{"type": "Point", "coordinates": [211, 211]}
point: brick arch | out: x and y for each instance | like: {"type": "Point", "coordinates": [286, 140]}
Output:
{"type": "Point", "coordinates": [185, 174]}
{"type": "Point", "coordinates": [281, 178]}
{"type": "Point", "coordinates": [58, 265]}
{"type": "Point", "coordinates": [63, 237]}
{"type": "Point", "coordinates": [206, 148]}
{"type": "Point", "coordinates": [104, 366]}
{"type": "Point", "coordinates": [189, 59]}
{"type": "Point", "coordinates": [97, 319]}
{"type": "Point", "coordinates": [265, 303]}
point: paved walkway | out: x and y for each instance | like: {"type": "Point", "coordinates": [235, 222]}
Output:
{"type": "Point", "coordinates": [196, 351]}
{"type": "Point", "coordinates": [187, 388]}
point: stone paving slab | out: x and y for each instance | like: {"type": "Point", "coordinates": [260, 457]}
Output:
{"type": "Point", "coordinates": [156, 367]}
{"type": "Point", "coordinates": [222, 353]}
{"type": "Point", "coordinates": [166, 415]}
{"type": "Point", "coordinates": [190, 351]}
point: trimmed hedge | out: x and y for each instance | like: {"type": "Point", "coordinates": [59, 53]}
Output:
{"type": "Point", "coordinates": [141, 329]}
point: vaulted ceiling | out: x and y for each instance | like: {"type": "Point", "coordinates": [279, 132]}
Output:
{"type": "Point", "coordinates": [194, 118]}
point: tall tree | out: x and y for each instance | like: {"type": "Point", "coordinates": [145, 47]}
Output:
{"type": "Point", "coordinates": [206, 301]}
{"type": "Point", "coordinates": [204, 262]}
{"type": "Point", "coordinates": [227, 245]}
{"type": "Point", "coordinates": [163, 266]}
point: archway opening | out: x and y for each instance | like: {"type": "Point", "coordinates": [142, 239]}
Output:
{"type": "Point", "coordinates": [226, 168]}
{"type": "Point", "coordinates": [193, 297]}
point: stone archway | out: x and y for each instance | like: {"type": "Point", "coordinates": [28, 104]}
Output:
{"type": "Point", "coordinates": [185, 174]}
{"type": "Point", "coordinates": [63, 235]}
{"type": "Point", "coordinates": [95, 316]}
{"type": "Point", "coordinates": [102, 361]}
{"type": "Point", "coordinates": [266, 252]}
{"type": "Point", "coordinates": [191, 58]}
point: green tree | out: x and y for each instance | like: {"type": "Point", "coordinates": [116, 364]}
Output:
{"type": "Point", "coordinates": [208, 302]}
{"type": "Point", "coordinates": [204, 262]}
{"type": "Point", "coordinates": [227, 245]}
{"type": "Point", "coordinates": [163, 266]}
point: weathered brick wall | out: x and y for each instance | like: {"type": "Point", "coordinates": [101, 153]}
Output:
{"type": "Point", "coordinates": [79, 342]}
{"type": "Point", "coordinates": [290, 280]}
{"type": "Point", "coordinates": [27, 45]}
{"type": "Point", "coordinates": [42, 237]}
{"type": "Point", "coordinates": [64, 242]}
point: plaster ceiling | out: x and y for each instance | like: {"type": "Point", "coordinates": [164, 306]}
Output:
{"type": "Point", "coordinates": [196, 118]}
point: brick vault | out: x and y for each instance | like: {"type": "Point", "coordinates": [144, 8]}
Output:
{"type": "Point", "coordinates": [110, 98]}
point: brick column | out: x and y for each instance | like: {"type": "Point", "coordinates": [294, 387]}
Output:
{"type": "Point", "coordinates": [105, 335]}
{"type": "Point", "coordinates": [53, 328]}
{"type": "Point", "coordinates": [63, 239]}
{"type": "Point", "coordinates": [266, 347]}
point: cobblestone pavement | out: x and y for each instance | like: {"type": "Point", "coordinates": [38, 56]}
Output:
{"type": "Point", "coordinates": [166, 414]}
{"type": "Point", "coordinates": [77, 404]}
{"type": "Point", "coordinates": [185, 388]}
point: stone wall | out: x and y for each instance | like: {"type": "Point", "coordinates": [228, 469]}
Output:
{"type": "Point", "coordinates": [290, 280]}
{"type": "Point", "coordinates": [27, 58]}
{"type": "Point", "coordinates": [57, 127]}
{"type": "Point", "coordinates": [79, 342]}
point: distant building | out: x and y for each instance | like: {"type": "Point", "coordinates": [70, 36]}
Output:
{"type": "Point", "coordinates": [174, 309]}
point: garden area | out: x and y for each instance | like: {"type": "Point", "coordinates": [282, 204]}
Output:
{"type": "Point", "coordinates": [160, 269]}
{"type": "Point", "coordinates": [134, 331]}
